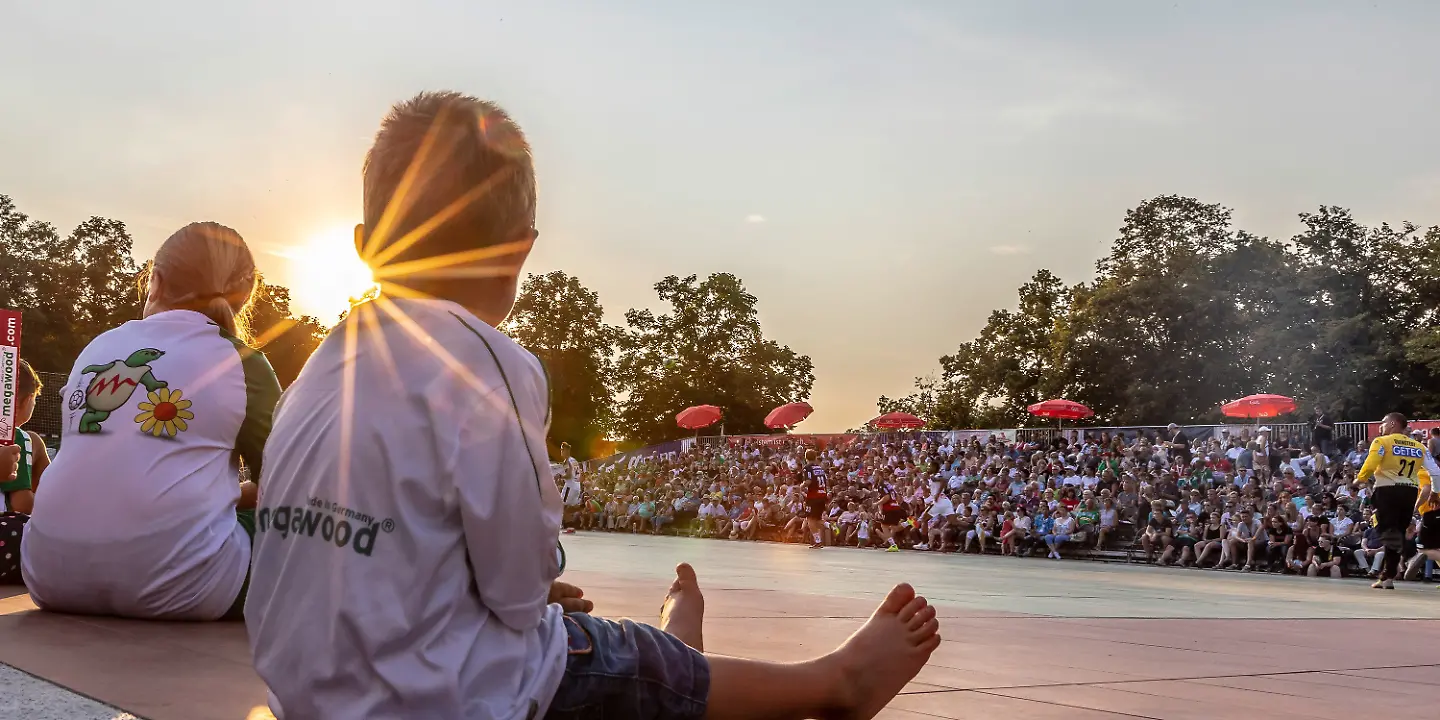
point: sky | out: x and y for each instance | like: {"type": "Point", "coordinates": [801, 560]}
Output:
{"type": "Point", "coordinates": [880, 174]}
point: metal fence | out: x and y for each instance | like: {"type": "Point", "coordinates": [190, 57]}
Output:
{"type": "Point", "coordinates": [47, 419]}
{"type": "Point", "coordinates": [1347, 434]}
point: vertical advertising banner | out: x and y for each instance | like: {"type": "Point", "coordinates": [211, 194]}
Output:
{"type": "Point", "coordinates": [9, 372]}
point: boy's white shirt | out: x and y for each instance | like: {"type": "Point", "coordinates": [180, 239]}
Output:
{"type": "Point", "coordinates": [440, 610]}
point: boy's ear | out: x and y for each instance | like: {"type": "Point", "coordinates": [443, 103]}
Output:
{"type": "Point", "coordinates": [360, 240]}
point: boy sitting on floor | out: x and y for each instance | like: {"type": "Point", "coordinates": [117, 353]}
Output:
{"type": "Point", "coordinates": [405, 557]}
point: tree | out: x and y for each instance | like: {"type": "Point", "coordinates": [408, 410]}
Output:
{"type": "Point", "coordinates": [708, 350]}
{"type": "Point", "coordinates": [70, 288]}
{"type": "Point", "coordinates": [1187, 312]}
{"type": "Point", "coordinates": [1357, 303]}
{"type": "Point", "coordinates": [1162, 331]}
{"type": "Point", "coordinates": [989, 381]}
{"type": "Point", "coordinates": [286, 340]}
{"type": "Point", "coordinates": [560, 321]}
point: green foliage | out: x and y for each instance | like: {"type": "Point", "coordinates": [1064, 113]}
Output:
{"type": "Point", "coordinates": [1187, 312]}
{"type": "Point", "coordinates": [75, 287]}
{"type": "Point", "coordinates": [286, 340]}
{"type": "Point", "coordinates": [71, 288]}
{"type": "Point", "coordinates": [709, 350]}
{"type": "Point", "coordinates": [561, 322]}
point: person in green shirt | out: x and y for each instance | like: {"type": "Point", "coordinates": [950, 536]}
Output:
{"type": "Point", "coordinates": [1088, 514]}
{"type": "Point", "coordinates": [1109, 462]}
{"type": "Point", "coordinates": [33, 457]}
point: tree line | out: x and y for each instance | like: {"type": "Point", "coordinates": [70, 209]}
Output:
{"type": "Point", "coordinates": [1184, 313]}
{"type": "Point", "coordinates": [1187, 312]}
{"type": "Point", "coordinates": [606, 381]}
{"type": "Point", "coordinates": [73, 287]}
{"type": "Point", "coordinates": [629, 382]}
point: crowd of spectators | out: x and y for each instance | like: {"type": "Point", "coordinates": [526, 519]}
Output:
{"type": "Point", "coordinates": [1241, 500]}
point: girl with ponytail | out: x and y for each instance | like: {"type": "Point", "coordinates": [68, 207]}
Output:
{"type": "Point", "coordinates": [144, 514]}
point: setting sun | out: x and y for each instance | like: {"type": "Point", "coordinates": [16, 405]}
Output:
{"type": "Point", "coordinates": [325, 274]}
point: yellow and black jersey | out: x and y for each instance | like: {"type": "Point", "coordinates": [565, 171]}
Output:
{"type": "Point", "coordinates": [1398, 460]}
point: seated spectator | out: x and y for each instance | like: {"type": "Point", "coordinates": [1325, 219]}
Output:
{"type": "Point", "coordinates": [1187, 532]}
{"type": "Point", "coordinates": [1211, 540]}
{"type": "Point", "coordinates": [144, 514]}
{"type": "Point", "coordinates": [1245, 535]}
{"type": "Point", "coordinates": [645, 515]}
{"type": "Point", "coordinates": [1279, 538]}
{"type": "Point", "coordinates": [982, 531]}
{"type": "Point", "coordinates": [1159, 529]}
{"type": "Point", "coordinates": [612, 510]}
{"type": "Point", "coordinates": [745, 524]}
{"type": "Point", "coordinates": [863, 528]}
{"type": "Point", "coordinates": [1371, 553]}
{"type": "Point", "coordinates": [628, 511]}
{"type": "Point", "coordinates": [1042, 526]}
{"type": "Point", "coordinates": [1018, 538]}
{"type": "Point", "coordinates": [1322, 559]}
{"type": "Point", "coordinates": [1306, 538]}
{"type": "Point", "coordinates": [1108, 524]}
{"type": "Point", "coordinates": [1060, 532]}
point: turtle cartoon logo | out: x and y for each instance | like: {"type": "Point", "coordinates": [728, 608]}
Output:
{"type": "Point", "coordinates": [113, 385]}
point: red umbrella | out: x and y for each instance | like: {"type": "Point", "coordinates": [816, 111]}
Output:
{"type": "Point", "coordinates": [1060, 410]}
{"type": "Point", "coordinates": [694, 418]}
{"type": "Point", "coordinates": [897, 421]}
{"type": "Point", "coordinates": [788, 415]}
{"type": "Point", "coordinates": [1259, 406]}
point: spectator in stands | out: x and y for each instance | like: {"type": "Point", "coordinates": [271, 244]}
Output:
{"type": "Point", "coordinates": [1323, 559]}
{"type": "Point", "coordinates": [1279, 539]}
{"type": "Point", "coordinates": [1019, 535]}
{"type": "Point", "coordinates": [144, 514]}
{"type": "Point", "coordinates": [1246, 534]}
{"type": "Point", "coordinates": [1211, 539]}
{"type": "Point", "coordinates": [612, 510]}
{"type": "Point", "coordinates": [1187, 532]}
{"type": "Point", "coordinates": [1061, 529]}
{"type": "Point", "coordinates": [981, 532]}
{"type": "Point", "coordinates": [1371, 553]}
{"type": "Point", "coordinates": [1109, 522]}
{"type": "Point", "coordinates": [1159, 529]}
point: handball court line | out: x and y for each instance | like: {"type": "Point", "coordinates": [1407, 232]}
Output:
{"type": "Point", "coordinates": [994, 689]}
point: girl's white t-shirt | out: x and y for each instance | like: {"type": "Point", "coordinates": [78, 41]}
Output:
{"type": "Point", "coordinates": [136, 516]}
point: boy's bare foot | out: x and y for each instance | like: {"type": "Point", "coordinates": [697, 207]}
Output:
{"type": "Point", "coordinates": [883, 655]}
{"type": "Point", "coordinates": [683, 613]}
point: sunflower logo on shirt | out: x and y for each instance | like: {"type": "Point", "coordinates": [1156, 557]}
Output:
{"type": "Point", "coordinates": [165, 413]}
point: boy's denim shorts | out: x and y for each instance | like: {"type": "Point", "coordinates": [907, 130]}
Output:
{"type": "Point", "coordinates": [627, 670]}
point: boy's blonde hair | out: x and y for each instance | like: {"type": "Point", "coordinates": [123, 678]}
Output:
{"type": "Point", "coordinates": [207, 267]}
{"type": "Point", "coordinates": [447, 173]}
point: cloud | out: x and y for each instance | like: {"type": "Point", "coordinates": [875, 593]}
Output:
{"type": "Point", "coordinates": [1036, 86]}
{"type": "Point", "coordinates": [754, 219]}
{"type": "Point", "coordinates": [1009, 250]}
